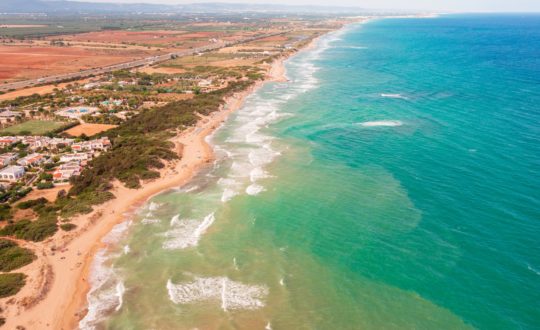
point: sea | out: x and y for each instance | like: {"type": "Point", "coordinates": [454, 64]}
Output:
{"type": "Point", "coordinates": [392, 183]}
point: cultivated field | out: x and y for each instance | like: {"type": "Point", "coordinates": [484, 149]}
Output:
{"type": "Point", "coordinates": [34, 127]}
{"type": "Point", "coordinates": [88, 129]}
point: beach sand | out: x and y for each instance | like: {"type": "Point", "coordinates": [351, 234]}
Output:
{"type": "Point", "coordinates": [55, 296]}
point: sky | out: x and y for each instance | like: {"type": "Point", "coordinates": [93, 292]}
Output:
{"type": "Point", "coordinates": [433, 5]}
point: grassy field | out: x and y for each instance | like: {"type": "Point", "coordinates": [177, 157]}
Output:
{"type": "Point", "coordinates": [34, 127]}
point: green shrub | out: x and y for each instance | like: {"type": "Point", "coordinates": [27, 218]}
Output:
{"type": "Point", "coordinates": [13, 257]}
{"type": "Point", "coordinates": [67, 226]}
{"type": "Point", "coordinates": [11, 283]}
{"type": "Point", "coordinates": [32, 203]}
{"type": "Point", "coordinates": [45, 185]}
{"type": "Point", "coordinates": [5, 212]}
{"type": "Point", "coordinates": [31, 230]}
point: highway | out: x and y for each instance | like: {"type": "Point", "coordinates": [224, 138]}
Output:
{"type": "Point", "coordinates": [126, 65]}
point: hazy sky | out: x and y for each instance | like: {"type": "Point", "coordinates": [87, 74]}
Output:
{"type": "Point", "coordinates": [441, 5]}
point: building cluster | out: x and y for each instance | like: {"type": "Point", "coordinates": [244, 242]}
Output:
{"type": "Point", "coordinates": [66, 156]}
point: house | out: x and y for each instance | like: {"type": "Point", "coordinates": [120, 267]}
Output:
{"type": "Point", "coordinates": [56, 142]}
{"type": "Point", "coordinates": [12, 173]}
{"type": "Point", "coordinates": [92, 145]}
{"type": "Point", "coordinates": [91, 86]}
{"type": "Point", "coordinates": [6, 141]}
{"type": "Point", "coordinates": [31, 160]}
{"type": "Point", "coordinates": [66, 171]}
{"type": "Point", "coordinates": [35, 142]}
{"type": "Point", "coordinates": [74, 157]}
{"type": "Point", "coordinates": [205, 83]}
{"type": "Point", "coordinates": [7, 158]}
{"type": "Point", "coordinates": [8, 116]}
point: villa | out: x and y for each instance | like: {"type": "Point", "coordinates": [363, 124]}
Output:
{"type": "Point", "coordinates": [66, 171]}
{"type": "Point", "coordinates": [12, 173]}
{"type": "Point", "coordinates": [6, 141]}
{"type": "Point", "coordinates": [74, 157]}
{"type": "Point", "coordinates": [7, 158]}
{"type": "Point", "coordinates": [92, 145]}
{"type": "Point", "coordinates": [31, 160]}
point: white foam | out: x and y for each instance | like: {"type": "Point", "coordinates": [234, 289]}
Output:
{"type": "Point", "coordinates": [120, 290]}
{"type": "Point", "coordinates": [262, 156]}
{"type": "Point", "coordinates": [106, 293]}
{"type": "Point", "coordinates": [254, 189]}
{"type": "Point", "coordinates": [186, 232]}
{"type": "Point", "coordinates": [354, 47]}
{"type": "Point", "coordinates": [393, 96]}
{"type": "Point", "coordinates": [117, 232]}
{"type": "Point", "coordinates": [149, 221]}
{"type": "Point", "coordinates": [381, 123]}
{"type": "Point", "coordinates": [228, 194]}
{"type": "Point", "coordinates": [257, 173]}
{"type": "Point", "coordinates": [175, 220]}
{"type": "Point", "coordinates": [154, 206]}
{"type": "Point", "coordinates": [532, 269]}
{"type": "Point", "coordinates": [230, 295]}
{"type": "Point", "coordinates": [187, 189]}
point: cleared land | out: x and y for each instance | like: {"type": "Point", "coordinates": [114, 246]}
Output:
{"type": "Point", "coordinates": [34, 127]}
{"type": "Point", "coordinates": [88, 129]}
{"type": "Point", "coordinates": [29, 62]}
{"type": "Point", "coordinates": [157, 37]}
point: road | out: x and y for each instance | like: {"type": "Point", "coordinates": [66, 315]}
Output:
{"type": "Point", "coordinates": [126, 65]}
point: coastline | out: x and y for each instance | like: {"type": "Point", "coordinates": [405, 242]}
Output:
{"type": "Point", "coordinates": [69, 256]}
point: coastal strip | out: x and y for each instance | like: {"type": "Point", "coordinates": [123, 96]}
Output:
{"type": "Point", "coordinates": [64, 304]}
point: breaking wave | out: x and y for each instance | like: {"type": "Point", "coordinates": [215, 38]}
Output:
{"type": "Point", "coordinates": [186, 232]}
{"type": "Point", "coordinates": [381, 123]}
{"type": "Point", "coordinates": [230, 295]}
{"type": "Point", "coordinates": [394, 96]}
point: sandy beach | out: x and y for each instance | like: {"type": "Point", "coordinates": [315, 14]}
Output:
{"type": "Point", "coordinates": [55, 294]}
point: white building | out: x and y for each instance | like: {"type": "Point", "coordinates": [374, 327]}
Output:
{"type": "Point", "coordinates": [7, 158]}
{"type": "Point", "coordinates": [92, 145]}
{"type": "Point", "coordinates": [8, 116]}
{"type": "Point", "coordinates": [66, 171]}
{"type": "Point", "coordinates": [12, 173]}
{"type": "Point", "coordinates": [74, 157]}
{"type": "Point", "coordinates": [31, 160]}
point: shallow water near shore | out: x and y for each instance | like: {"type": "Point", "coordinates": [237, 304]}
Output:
{"type": "Point", "coordinates": [383, 186]}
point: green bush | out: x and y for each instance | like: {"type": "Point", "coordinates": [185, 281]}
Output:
{"type": "Point", "coordinates": [11, 283]}
{"type": "Point", "coordinates": [13, 257]}
{"type": "Point", "coordinates": [45, 185]}
{"type": "Point", "coordinates": [31, 230]}
{"type": "Point", "coordinates": [5, 212]}
{"type": "Point", "coordinates": [32, 203]}
{"type": "Point", "coordinates": [67, 226]}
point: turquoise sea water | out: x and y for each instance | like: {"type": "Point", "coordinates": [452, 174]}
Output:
{"type": "Point", "coordinates": [393, 183]}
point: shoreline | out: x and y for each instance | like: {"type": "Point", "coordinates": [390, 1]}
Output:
{"type": "Point", "coordinates": [69, 256]}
